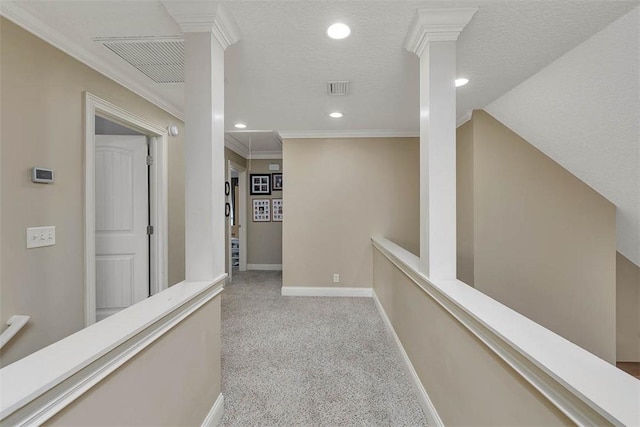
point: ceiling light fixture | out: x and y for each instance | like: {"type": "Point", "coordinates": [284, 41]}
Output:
{"type": "Point", "coordinates": [461, 82]}
{"type": "Point", "coordinates": [336, 115]}
{"type": "Point", "coordinates": [240, 125]}
{"type": "Point", "coordinates": [338, 31]}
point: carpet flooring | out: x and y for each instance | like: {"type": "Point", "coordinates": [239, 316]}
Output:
{"type": "Point", "coordinates": [299, 361]}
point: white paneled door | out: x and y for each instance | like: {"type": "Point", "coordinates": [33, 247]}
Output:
{"type": "Point", "coordinates": [122, 216]}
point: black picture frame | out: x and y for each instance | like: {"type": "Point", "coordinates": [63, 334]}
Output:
{"type": "Point", "coordinates": [260, 184]}
{"type": "Point", "coordinates": [276, 181]}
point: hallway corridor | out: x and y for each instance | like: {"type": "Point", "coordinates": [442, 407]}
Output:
{"type": "Point", "coordinates": [297, 361]}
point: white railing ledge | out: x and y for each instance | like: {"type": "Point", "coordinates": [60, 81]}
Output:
{"type": "Point", "coordinates": [574, 372]}
{"type": "Point", "coordinates": [26, 379]}
{"type": "Point", "coordinates": [15, 323]}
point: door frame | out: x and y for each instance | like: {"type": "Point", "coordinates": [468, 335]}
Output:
{"type": "Point", "coordinates": [242, 211]}
{"type": "Point", "coordinates": [158, 190]}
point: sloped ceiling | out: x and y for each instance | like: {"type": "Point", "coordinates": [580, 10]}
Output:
{"type": "Point", "coordinates": [583, 111]}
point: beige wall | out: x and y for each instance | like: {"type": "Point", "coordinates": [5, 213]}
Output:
{"type": "Point", "coordinates": [627, 310]}
{"type": "Point", "coordinates": [162, 386]}
{"type": "Point", "coordinates": [42, 124]}
{"type": "Point", "coordinates": [468, 384]}
{"type": "Point", "coordinates": [340, 192]}
{"type": "Point", "coordinates": [544, 242]}
{"type": "Point", "coordinates": [264, 239]}
{"type": "Point", "coordinates": [464, 202]}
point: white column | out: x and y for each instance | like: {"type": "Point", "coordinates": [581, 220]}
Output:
{"type": "Point", "coordinates": [432, 37]}
{"type": "Point", "coordinates": [207, 33]}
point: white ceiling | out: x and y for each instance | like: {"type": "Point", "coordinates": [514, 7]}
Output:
{"type": "Point", "coordinates": [276, 75]}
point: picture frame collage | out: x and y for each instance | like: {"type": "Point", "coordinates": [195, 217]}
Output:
{"type": "Point", "coordinates": [262, 184]}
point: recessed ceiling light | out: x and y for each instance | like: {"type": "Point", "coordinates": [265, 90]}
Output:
{"type": "Point", "coordinates": [240, 125]}
{"type": "Point", "coordinates": [338, 31]}
{"type": "Point", "coordinates": [336, 115]}
{"type": "Point", "coordinates": [461, 82]}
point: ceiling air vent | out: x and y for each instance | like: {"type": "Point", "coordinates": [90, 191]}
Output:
{"type": "Point", "coordinates": [160, 59]}
{"type": "Point", "coordinates": [338, 87]}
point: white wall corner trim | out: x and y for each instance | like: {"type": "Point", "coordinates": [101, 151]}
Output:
{"type": "Point", "coordinates": [15, 13]}
{"type": "Point", "coordinates": [266, 267]}
{"type": "Point", "coordinates": [428, 408]}
{"type": "Point", "coordinates": [40, 385]}
{"type": "Point", "coordinates": [215, 414]}
{"type": "Point", "coordinates": [585, 388]}
{"type": "Point", "coordinates": [432, 25]}
{"type": "Point", "coordinates": [319, 291]}
{"type": "Point", "coordinates": [371, 133]}
{"type": "Point", "coordinates": [463, 118]}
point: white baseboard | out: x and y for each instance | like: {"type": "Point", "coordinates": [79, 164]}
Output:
{"type": "Point", "coordinates": [309, 291]}
{"type": "Point", "coordinates": [215, 414]}
{"type": "Point", "coordinates": [268, 267]}
{"type": "Point", "coordinates": [429, 410]}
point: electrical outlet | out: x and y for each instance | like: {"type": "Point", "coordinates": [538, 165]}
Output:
{"type": "Point", "coordinates": [38, 237]}
{"type": "Point", "coordinates": [336, 278]}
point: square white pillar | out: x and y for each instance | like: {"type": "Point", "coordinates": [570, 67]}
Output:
{"type": "Point", "coordinates": [208, 31]}
{"type": "Point", "coordinates": [432, 37]}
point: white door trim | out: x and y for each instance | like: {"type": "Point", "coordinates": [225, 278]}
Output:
{"type": "Point", "coordinates": [242, 197]}
{"type": "Point", "coordinates": [158, 196]}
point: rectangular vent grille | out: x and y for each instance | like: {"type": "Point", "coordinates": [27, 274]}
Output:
{"type": "Point", "coordinates": [161, 61]}
{"type": "Point", "coordinates": [338, 88]}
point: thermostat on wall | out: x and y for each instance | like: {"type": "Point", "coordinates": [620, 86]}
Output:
{"type": "Point", "coordinates": [41, 175]}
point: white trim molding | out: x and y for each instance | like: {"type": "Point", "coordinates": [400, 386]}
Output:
{"type": "Point", "coordinates": [325, 291]}
{"type": "Point", "coordinates": [40, 385]}
{"type": "Point", "coordinates": [266, 155]}
{"type": "Point", "coordinates": [372, 133]}
{"type": "Point", "coordinates": [266, 267]}
{"type": "Point", "coordinates": [585, 388]}
{"type": "Point", "coordinates": [158, 196]}
{"type": "Point", "coordinates": [15, 13]}
{"type": "Point", "coordinates": [236, 146]}
{"type": "Point", "coordinates": [463, 118]}
{"type": "Point", "coordinates": [214, 416]}
{"type": "Point", "coordinates": [430, 412]}
{"type": "Point", "coordinates": [430, 25]}
{"type": "Point", "coordinates": [203, 17]}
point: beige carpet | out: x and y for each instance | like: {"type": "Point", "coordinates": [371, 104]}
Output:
{"type": "Point", "coordinates": [298, 361]}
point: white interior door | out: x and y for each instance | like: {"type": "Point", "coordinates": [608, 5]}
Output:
{"type": "Point", "coordinates": [122, 216]}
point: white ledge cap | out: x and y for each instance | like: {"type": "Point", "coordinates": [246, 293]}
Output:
{"type": "Point", "coordinates": [203, 17]}
{"type": "Point", "coordinates": [431, 25]}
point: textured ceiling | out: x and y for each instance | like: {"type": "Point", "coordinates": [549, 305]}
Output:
{"type": "Point", "coordinates": [276, 75]}
{"type": "Point", "coordinates": [583, 111]}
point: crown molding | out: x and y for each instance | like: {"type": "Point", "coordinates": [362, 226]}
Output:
{"type": "Point", "coordinates": [374, 133]}
{"type": "Point", "coordinates": [434, 25]}
{"type": "Point", "coordinates": [236, 146]}
{"type": "Point", "coordinates": [266, 155]}
{"type": "Point", "coordinates": [19, 16]}
{"type": "Point", "coordinates": [205, 17]}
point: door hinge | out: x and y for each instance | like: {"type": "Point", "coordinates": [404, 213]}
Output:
{"type": "Point", "coordinates": [149, 160]}
{"type": "Point", "coordinates": [149, 229]}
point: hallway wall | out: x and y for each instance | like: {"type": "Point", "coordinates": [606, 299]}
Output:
{"type": "Point", "coordinates": [627, 310]}
{"type": "Point", "coordinates": [543, 241]}
{"type": "Point", "coordinates": [340, 192]}
{"type": "Point", "coordinates": [264, 239]}
{"type": "Point", "coordinates": [42, 125]}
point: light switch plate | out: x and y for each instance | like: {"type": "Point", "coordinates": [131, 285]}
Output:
{"type": "Point", "coordinates": [38, 237]}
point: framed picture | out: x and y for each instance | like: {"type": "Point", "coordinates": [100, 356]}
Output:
{"type": "Point", "coordinates": [261, 210]}
{"type": "Point", "coordinates": [276, 181]}
{"type": "Point", "coordinates": [277, 209]}
{"type": "Point", "coordinates": [260, 184]}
